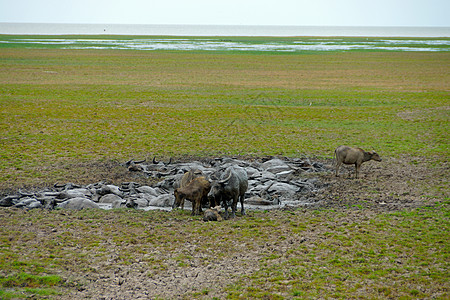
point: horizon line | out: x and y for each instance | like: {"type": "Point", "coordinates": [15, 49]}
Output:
{"type": "Point", "coordinates": [235, 25]}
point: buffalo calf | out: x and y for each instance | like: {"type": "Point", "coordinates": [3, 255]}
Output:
{"type": "Point", "coordinates": [212, 214]}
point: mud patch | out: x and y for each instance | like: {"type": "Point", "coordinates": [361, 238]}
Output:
{"type": "Point", "coordinates": [395, 184]}
{"type": "Point", "coordinates": [272, 183]}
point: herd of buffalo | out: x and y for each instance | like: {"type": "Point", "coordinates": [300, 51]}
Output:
{"type": "Point", "coordinates": [233, 183]}
{"type": "Point", "coordinates": [231, 187]}
{"type": "Point", "coordinates": [218, 184]}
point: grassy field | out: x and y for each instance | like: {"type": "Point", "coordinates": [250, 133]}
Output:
{"type": "Point", "coordinates": [273, 255]}
{"type": "Point", "coordinates": [75, 115]}
{"type": "Point", "coordinates": [59, 108]}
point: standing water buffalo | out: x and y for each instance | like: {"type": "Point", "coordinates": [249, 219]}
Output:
{"type": "Point", "coordinates": [186, 179]}
{"type": "Point", "coordinates": [350, 156]}
{"type": "Point", "coordinates": [194, 191]}
{"type": "Point", "coordinates": [189, 176]}
{"type": "Point", "coordinates": [232, 186]}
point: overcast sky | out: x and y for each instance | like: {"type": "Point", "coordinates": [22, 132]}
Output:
{"type": "Point", "coordinates": [231, 12]}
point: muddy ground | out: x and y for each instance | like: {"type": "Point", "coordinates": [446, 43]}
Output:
{"type": "Point", "coordinates": [394, 184]}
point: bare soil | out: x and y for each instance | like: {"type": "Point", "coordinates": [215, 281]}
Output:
{"type": "Point", "coordinates": [394, 184]}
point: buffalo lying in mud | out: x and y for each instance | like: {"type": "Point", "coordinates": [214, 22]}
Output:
{"type": "Point", "coordinates": [353, 156]}
{"type": "Point", "coordinates": [137, 166]}
{"type": "Point", "coordinates": [134, 166]}
{"type": "Point", "coordinates": [212, 214]}
{"type": "Point", "coordinates": [155, 162]}
{"type": "Point", "coordinates": [232, 186]}
{"type": "Point", "coordinates": [194, 191]}
{"type": "Point", "coordinates": [273, 182]}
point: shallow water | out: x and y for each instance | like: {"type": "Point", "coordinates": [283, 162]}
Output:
{"type": "Point", "coordinates": [217, 44]}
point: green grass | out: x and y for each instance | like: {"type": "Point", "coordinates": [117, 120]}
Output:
{"type": "Point", "coordinates": [63, 107]}
{"type": "Point", "coordinates": [376, 258]}
{"type": "Point", "coordinates": [312, 254]}
{"type": "Point", "coordinates": [63, 114]}
{"type": "Point", "coordinates": [20, 285]}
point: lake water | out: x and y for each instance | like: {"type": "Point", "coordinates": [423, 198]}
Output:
{"type": "Point", "coordinates": [229, 44]}
{"type": "Point", "coordinates": [211, 38]}
{"type": "Point", "coordinates": [220, 30]}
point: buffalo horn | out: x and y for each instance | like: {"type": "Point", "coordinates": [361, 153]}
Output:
{"type": "Point", "coordinates": [157, 162]}
{"type": "Point", "coordinates": [226, 179]}
{"type": "Point", "coordinates": [129, 162]}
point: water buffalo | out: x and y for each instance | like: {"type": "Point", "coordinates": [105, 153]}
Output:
{"type": "Point", "coordinates": [155, 162]}
{"type": "Point", "coordinates": [212, 214]}
{"type": "Point", "coordinates": [194, 191]}
{"type": "Point", "coordinates": [78, 203]}
{"type": "Point", "coordinates": [186, 179]}
{"type": "Point", "coordinates": [232, 186]}
{"type": "Point", "coordinates": [189, 176]}
{"type": "Point", "coordinates": [134, 166]}
{"type": "Point", "coordinates": [350, 156]}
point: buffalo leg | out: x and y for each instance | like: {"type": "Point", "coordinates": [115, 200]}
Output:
{"type": "Point", "coordinates": [338, 165]}
{"type": "Point", "coordinates": [206, 202]}
{"type": "Point", "coordinates": [242, 205]}
{"type": "Point", "coordinates": [225, 205]}
{"type": "Point", "coordinates": [357, 167]}
{"type": "Point", "coordinates": [234, 206]}
{"type": "Point", "coordinates": [198, 206]}
{"type": "Point", "coordinates": [193, 208]}
{"type": "Point", "coordinates": [212, 202]}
